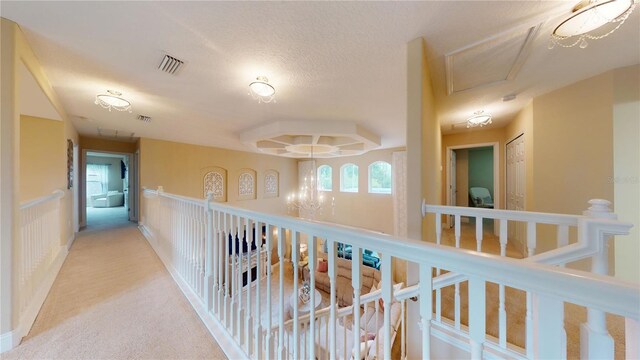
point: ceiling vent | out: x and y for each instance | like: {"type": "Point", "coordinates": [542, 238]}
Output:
{"type": "Point", "coordinates": [144, 118]}
{"type": "Point", "coordinates": [170, 65]}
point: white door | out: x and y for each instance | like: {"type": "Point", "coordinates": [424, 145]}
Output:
{"type": "Point", "coordinates": [516, 185]}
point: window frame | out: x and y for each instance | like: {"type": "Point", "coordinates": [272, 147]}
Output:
{"type": "Point", "coordinates": [342, 180]}
{"type": "Point", "coordinates": [320, 188]}
{"type": "Point", "coordinates": [369, 182]}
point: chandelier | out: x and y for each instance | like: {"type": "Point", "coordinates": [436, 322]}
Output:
{"type": "Point", "coordinates": [589, 15]}
{"type": "Point", "coordinates": [262, 91]}
{"type": "Point", "coordinates": [113, 100]}
{"type": "Point", "coordinates": [308, 200]}
{"type": "Point", "coordinates": [479, 118]}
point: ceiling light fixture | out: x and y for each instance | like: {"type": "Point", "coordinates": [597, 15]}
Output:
{"type": "Point", "coordinates": [479, 118]}
{"type": "Point", "coordinates": [113, 100]}
{"type": "Point", "coordinates": [262, 91]}
{"type": "Point", "coordinates": [589, 15]}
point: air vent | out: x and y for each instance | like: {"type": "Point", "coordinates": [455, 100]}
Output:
{"type": "Point", "coordinates": [144, 118]}
{"type": "Point", "coordinates": [170, 64]}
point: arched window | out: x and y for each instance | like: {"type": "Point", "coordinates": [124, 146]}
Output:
{"type": "Point", "coordinates": [325, 182]}
{"type": "Point", "coordinates": [380, 177]}
{"type": "Point", "coordinates": [349, 178]}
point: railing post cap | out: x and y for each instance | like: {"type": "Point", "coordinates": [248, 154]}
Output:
{"type": "Point", "coordinates": [160, 188]}
{"type": "Point", "coordinates": [600, 208]}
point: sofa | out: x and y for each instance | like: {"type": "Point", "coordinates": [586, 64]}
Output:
{"type": "Point", "coordinates": [110, 199]}
{"type": "Point", "coordinates": [344, 291]}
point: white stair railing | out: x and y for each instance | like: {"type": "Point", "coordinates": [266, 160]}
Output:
{"type": "Point", "coordinates": [594, 229]}
{"type": "Point", "coordinates": [259, 328]}
{"type": "Point", "coordinates": [38, 256]}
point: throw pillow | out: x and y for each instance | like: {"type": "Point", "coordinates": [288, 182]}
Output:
{"type": "Point", "coordinates": [323, 266]}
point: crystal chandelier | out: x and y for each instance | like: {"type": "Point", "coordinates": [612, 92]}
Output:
{"type": "Point", "coordinates": [262, 91]}
{"type": "Point", "coordinates": [308, 200]}
{"type": "Point", "coordinates": [113, 100]}
{"type": "Point", "coordinates": [479, 118]}
{"type": "Point", "coordinates": [589, 15]}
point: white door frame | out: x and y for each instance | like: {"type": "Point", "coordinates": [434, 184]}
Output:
{"type": "Point", "coordinates": [496, 170]}
{"type": "Point", "coordinates": [76, 189]}
{"type": "Point", "coordinates": [133, 201]}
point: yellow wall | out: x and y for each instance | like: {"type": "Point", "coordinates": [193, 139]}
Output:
{"type": "Point", "coordinates": [431, 152]}
{"type": "Point", "coordinates": [573, 152]}
{"type": "Point", "coordinates": [626, 179]}
{"type": "Point", "coordinates": [43, 157]}
{"type": "Point", "coordinates": [361, 209]}
{"type": "Point", "coordinates": [92, 143]}
{"type": "Point", "coordinates": [180, 168]}
{"type": "Point", "coordinates": [16, 52]}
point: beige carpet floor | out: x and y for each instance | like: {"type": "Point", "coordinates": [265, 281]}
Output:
{"type": "Point", "coordinates": [113, 299]}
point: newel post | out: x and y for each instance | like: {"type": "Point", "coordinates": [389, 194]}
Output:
{"type": "Point", "coordinates": [595, 341]}
{"type": "Point", "coordinates": [208, 260]}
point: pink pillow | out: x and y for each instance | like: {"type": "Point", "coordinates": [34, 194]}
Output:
{"type": "Point", "coordinates": [323, 266]}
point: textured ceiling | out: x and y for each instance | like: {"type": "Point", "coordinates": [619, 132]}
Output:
{"type": "Point", "coordinates": [338, 61]}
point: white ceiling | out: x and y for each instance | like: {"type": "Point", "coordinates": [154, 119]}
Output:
{"type": "Point", "coordinates": [337, 61]}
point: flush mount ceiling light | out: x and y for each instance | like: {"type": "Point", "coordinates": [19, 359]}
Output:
{"type": "Point", "coordinates": [587, 16]}
{"type": "Point", "coordinates": [113, 100]}
{"type": "Point", "coordinates": [479, 118]}
{"type": "Point", "coordinates": [262, 91]}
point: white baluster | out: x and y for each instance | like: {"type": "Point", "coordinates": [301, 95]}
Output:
{"type": "Point", "coordinates": [295, 254]}
{"type": "Point", "coordinates": [477, 316]}
{"type": "Point", "coordinates": [563, 237]}
{"type": "Point", "coordinates": [356, 282]}
{"type": "Point", "coordinates": [332, 278]}
{"type": "Point", "coordinates": [529, 327]}
{"type": "Point", "coordinates": [268, 349]}
{"type": "Point", "coordinates": [502, 313]}
{"type": "Point", "coordinates": [479, 233]}
{"type": "Point", "coordinates": [457, 230]}
{"type": "Point", "coordinates": [247, 316]}
{"type": "Point", "coordinates": [258, 321]}
{"type": "Point", "coordinates": [550, 337]}
{"type": "Point", "coordinates": [426, 306]}
{"type": "Point", "coordinates": [240, 310]}
{"type": "Point", "coordinates": [595, 340]}
{"type": "Point", "coordinates": [227, 225]}
{"type": "Point", "coordinates": [233, 285]}
{"type": "Point", "coordinates": [386, 297]}
{"type": "Point", "coordinates": [438, 291]}
{"type": "Point", "coordinates": [312, 250]}
{"type": "Point", "coordinates": [281, 242]}
{"type": "Point", "coordinates": [531, 238]}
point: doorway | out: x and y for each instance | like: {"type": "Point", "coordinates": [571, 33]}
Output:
{"type": "Point", "coordinates": [108, 183]}
{"type": "Point", "coordinates": [473, 169]}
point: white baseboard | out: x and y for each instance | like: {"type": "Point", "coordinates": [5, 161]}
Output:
{"type": "Point", "coordinates": [12, 339]}
{"type": "Point", "coordinates": [70, 241]}
{"type": "Point", "coordinates": [7, 341]}
{"type": "Point", "coordinates": [224, 339]}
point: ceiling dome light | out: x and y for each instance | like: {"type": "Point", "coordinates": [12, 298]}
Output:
{"type": "Point", "coordinates": [479, 118]}
{"type": "Point", "coordinates": [112, 100]}
{"type": "Point", "coordinates": [262, 90]}
{"type": "Point", "coordinates": [589, 15]}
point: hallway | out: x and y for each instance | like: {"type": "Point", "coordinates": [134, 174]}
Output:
{"type": "Point", "coordinates": [114, 299]}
